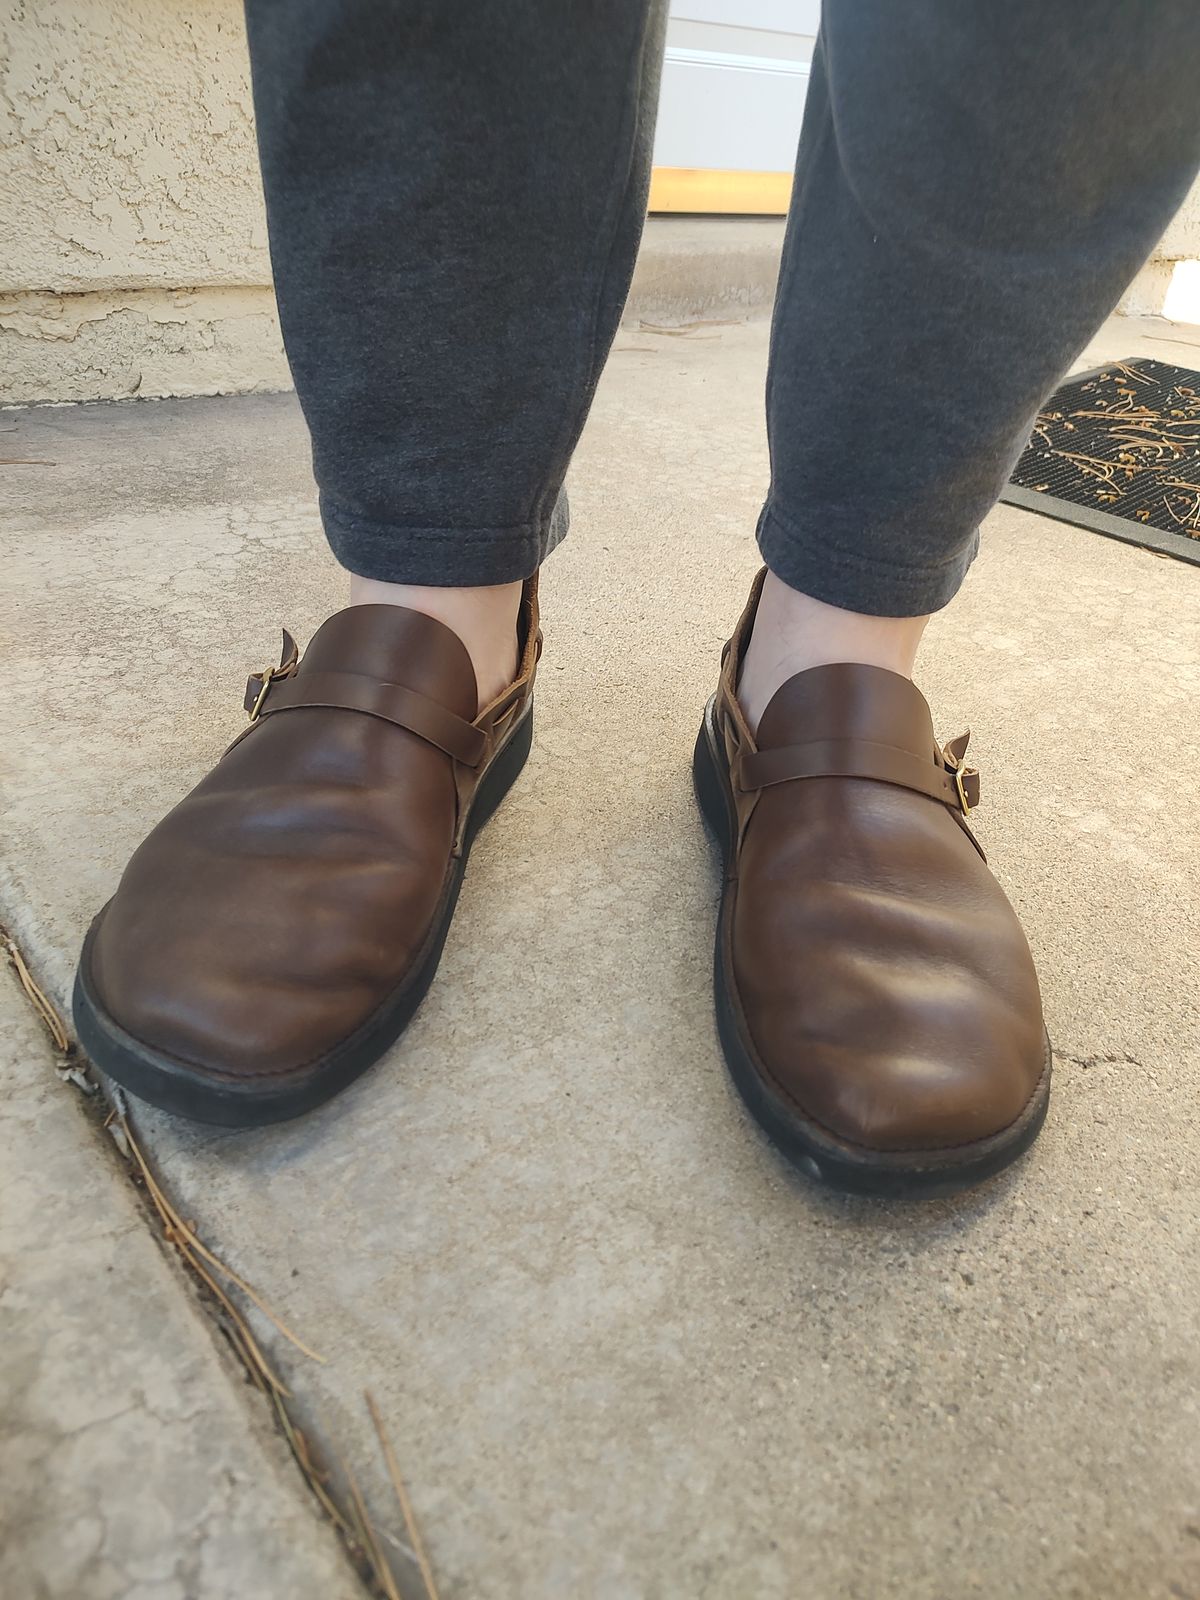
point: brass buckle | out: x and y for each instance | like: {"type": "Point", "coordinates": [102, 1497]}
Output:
{"type": "Point", "coordinates": [961, 771]}
{"type": "Point", "coordinates": [268, 678]}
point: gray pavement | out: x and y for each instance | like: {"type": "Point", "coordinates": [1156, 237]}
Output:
{"type": "Point", "coordinates": [132, 1466]}
{"type": "Point", "coordinates": [624, 1352]}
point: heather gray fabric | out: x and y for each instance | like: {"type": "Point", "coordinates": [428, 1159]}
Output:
{"type": "Point", "coordinates": [977, 183]}
{"type": "Point", "coordinates": [455, 194]}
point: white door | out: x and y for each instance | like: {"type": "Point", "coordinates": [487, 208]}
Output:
{"type": "Point", "coordinates": [734, 79]}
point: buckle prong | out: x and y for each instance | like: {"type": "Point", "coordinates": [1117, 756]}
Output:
{"type": "Point", "coordinates": [268, 677]}
{"type": "Point", "coordinates": [961, 771]}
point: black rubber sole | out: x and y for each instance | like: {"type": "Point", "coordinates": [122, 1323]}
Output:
{"type": "Point", "coordinates": [187, 1091]}
{"type": "Point", "coordinates": [904, 1174]}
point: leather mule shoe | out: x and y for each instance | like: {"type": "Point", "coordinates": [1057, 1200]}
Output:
{"type": "Point", "coordinates": [876, 999]}
{"type": "Point", "coordinates": [275, 933]}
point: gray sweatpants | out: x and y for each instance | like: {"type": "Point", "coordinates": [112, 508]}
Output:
{"type": "Point", "coordinates": [456, 188]}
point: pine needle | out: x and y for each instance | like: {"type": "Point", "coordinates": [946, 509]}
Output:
{"type": "Point", "coordinates": [182, 1236]}
{"type": "Point", "coordinates": [38, 998]}
{"type": "Point", "coordinates": [367, 1538]}
{"type": "Point", "coordinates": [410, 1522]}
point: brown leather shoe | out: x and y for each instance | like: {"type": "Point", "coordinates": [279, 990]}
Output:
{"type": "Point", "coordinates": [876, 998]}
{"type": "Point", "coordinates": [276, 932]}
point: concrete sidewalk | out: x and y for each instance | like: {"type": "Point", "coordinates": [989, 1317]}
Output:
{"type": "Point", "coordinates": [132, 1466]}
{"type": "Point", "coordinates": [624, 1352]}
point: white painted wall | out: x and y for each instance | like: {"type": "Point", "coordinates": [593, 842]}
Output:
{"type": "Point", "coordinates": [734, 80]}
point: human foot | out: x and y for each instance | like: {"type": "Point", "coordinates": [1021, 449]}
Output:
{"type": "Point", "coordinates": [876, 998]}
{"type": "Point", "coordinates": [276, 932]}
{"type": "Point", "coordinates": [793, 632]}
{"type": "Point", "coordinates": [485, 619]}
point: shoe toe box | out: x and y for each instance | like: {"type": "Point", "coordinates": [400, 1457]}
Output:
{"type": "Point", "coordinates": [897, 1010]}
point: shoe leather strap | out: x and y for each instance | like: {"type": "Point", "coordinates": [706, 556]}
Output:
{"type": "Point", "coordinates": [350, 691]}
{"type": "Point", "coordinates": [954, 785]}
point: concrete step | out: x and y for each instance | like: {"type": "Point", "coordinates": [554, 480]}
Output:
{"type": "Point", "coordinates": [692, 268]}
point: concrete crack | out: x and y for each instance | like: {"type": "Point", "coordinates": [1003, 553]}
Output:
{"type": "Point", "coordinates": [1099, 1060]}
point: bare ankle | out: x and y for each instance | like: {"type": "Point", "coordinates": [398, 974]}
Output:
{"type": "Point", "coordinates": [485, 619]}
{"type": "Point", "coordinates": [793, 632]}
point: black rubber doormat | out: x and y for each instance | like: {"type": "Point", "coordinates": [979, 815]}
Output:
{"type": "Point", "coordinates": [1118, 450]}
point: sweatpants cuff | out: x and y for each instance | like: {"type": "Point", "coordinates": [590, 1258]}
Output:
{"type": "Point", "coordinates": [443, 558]}
{"type": "Point", "coordinates": [808, 559]}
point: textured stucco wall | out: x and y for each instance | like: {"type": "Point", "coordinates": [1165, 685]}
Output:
{"type": "Point", "coordinates": [116, 344]}
{"type": "Point", "coordinates": [127, 147]}
{"type": "Point", "coordinates": [133, 248]}
{"type": "Point", "coordinates": [1181, 242]}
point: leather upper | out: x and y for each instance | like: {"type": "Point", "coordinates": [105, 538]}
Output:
{"type": "Point", "coordinates": [273, 910]}
{"type": "Point", "coordinates": [881, 974]}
